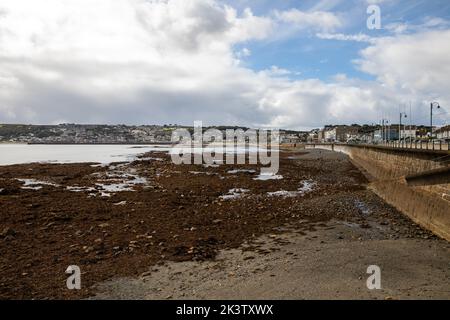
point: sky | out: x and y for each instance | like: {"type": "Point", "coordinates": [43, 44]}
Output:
{"type": "Point", "coordinates": [281, 64]}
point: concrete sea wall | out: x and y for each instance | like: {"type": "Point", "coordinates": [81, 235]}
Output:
{"type": "Point", "coordinates": [428, 202]}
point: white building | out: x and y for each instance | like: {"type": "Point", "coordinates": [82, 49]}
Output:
{"type": "Point", "coordinates": [330, 135]}
{"type": "Point", "coordinates": [406, 134]}
{"type": "Point", "coordinates": [443, 133]}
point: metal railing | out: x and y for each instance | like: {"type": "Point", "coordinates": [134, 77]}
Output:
{"type": "Point", "coordinates": [420, 145]}
{"type": "Point", "coordinates": [411, 145]}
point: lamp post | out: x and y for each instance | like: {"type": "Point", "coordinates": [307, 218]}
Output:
{"type": "Point", "coordinates": [402, 114]}
{"type": "Point", "coordinates": [383, 130]}
{"type": "Point", "coordinates": [431, 117]}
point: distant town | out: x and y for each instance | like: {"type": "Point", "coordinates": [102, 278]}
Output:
{"type": "Point", "coordinates": [127, 134]}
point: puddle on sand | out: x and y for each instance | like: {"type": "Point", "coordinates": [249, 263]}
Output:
{"type": "Point", "coordinates": [108, 188]}
{"type": "Point", "coordinates": [33, 184]}
{"type": "Point", "coordinates": [307, 186]}
{"type": "Point", "coordinates": [362, 207]}
{"type": "Point", "coordinates": [80, 188]}
{"type": "Point", "coordinates": [241, 171]}
{"type": "Point", "coordinates": [265, 177]}
{"type": "Point", "coordinates": [234, 194]}
{"type": "Point", "coordinates": [283, 193]}
{"type": "Point", "coordinates": [201, 172]}
{"type": "Point", "coordinates": [118, 179]}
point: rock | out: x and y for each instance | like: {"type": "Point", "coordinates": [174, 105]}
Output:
{"type": "Point", "coordinates": [103, 225]}
{"type": "Point", "coordinates": [133, 244]}
{"type": "Point", "coordinates": [7, 232]}
{"type": "Point", "coordinates": [88, 249]}
{"type": "Point", "coordinates": [217, 221]}
{"type": "Point", "coordinates": [146, 273]}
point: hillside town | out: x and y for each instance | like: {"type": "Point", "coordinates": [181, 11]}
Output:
{"type": "Point", "coordinates": [124, 134]}
{"type": "Point", "coordinates": [84, 134]}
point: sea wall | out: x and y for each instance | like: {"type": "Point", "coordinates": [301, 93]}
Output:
{"type": "Point", "coordinates": [428, 202]}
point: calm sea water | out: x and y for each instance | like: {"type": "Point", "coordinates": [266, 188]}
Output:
{"type": "Point", "coordinates": [55, 153]}
{"type": "Point", "coordinates": [23, 153]}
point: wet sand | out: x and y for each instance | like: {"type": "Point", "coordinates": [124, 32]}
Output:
{"type": "Point", "coordinates": [329, 263]}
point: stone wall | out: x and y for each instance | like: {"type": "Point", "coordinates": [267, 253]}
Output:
{"type": "Point", "coordinates": [427, 205]}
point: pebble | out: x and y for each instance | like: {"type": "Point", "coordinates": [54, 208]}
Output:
{"type": "Point", "coordinates": [7, 232]}
{"type": "Point", "coordinates": [88, 249]}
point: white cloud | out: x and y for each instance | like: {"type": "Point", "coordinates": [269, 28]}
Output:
{"type": "Point", "coordinates": [316, 20]}
{"type": "Point", "coordinates": [139, 61]}
{"type": "Point", "coordinates": [416, 66]}
{"type": "Point", "coordinates": [360, 37]}
{"type": "Point", "coordinates": [418, 62]}
{"type": "Point", "coordinates": [276, 71]}
{"type": "Point", "coordinates": [245, 52]}
{"type": "Point", "coordinates": [376, 1]}
{"type": "Point", "coordinates": [397, 27]}
{"type": "Point", "coordinates": [121, 60]}
{"type": "Point", "coordinates": [325, 5]}
{"type": "Point", "coordinates": [428, 24]}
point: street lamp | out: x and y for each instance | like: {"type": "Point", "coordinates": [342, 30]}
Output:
{"type": "Point", "coordinates": [431, 117]}
{"type": "Point", "coordinates": [402, 114]}
{"type": "Point", "coordinates": [384, 122]}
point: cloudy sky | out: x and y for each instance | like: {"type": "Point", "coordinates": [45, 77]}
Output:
{"type": "Point", "coordinates": [286, 63]}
